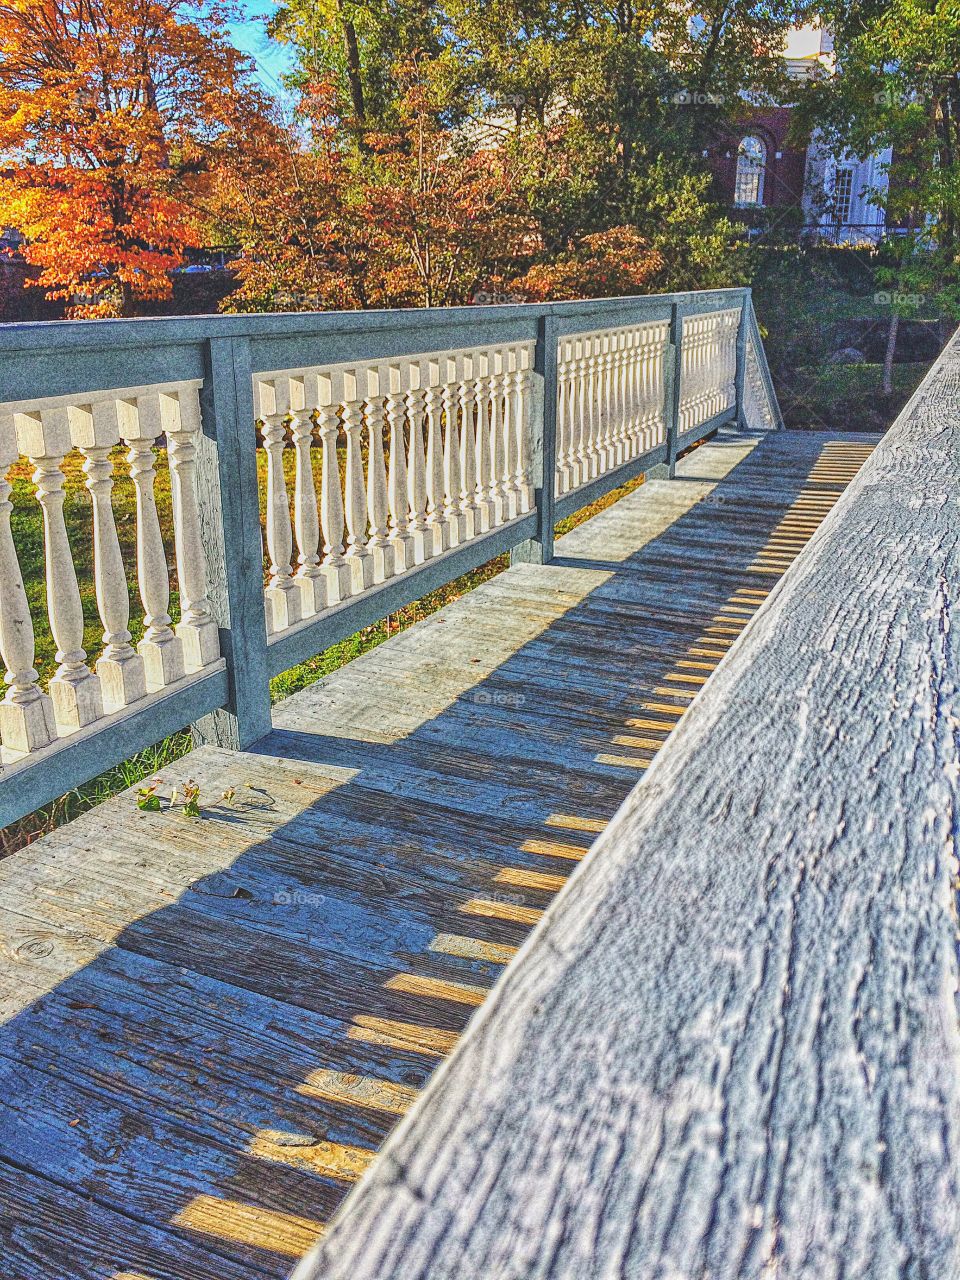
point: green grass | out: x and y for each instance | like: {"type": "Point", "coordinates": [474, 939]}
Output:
{"type": "Point", "coordinates": [847, 397]}
{"type": "Point", "coordinates": [812, 303]}
{"type": "Point", "coordinates": [28, 531]}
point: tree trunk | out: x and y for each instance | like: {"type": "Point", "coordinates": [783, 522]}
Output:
{"type": "Point", "coordinates": [890, 352]}
{"type": "Point", "coordinates": [354, 78]}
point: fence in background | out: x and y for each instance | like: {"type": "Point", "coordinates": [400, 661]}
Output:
{"type": "Point", "coordinates": [324, 470]}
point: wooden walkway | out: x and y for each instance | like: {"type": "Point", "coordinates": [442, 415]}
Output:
{"type": "Point", "coordinates": [210, 1025]}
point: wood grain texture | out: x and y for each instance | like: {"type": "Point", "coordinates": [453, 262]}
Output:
{"type": "Point", "coordinates": [731, 1050]}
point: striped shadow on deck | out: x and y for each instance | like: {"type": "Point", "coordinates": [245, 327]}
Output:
{"type": "Point", "coordinates": [211, 1025]}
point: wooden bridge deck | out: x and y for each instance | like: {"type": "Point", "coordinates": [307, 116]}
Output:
{"type": "Point", "coordinates": [210, 1025]}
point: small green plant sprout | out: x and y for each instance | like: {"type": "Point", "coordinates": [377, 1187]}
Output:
{"type": "Point", "coordinates": [147, 798]}
{"type": "Point", "coordinates": [191, 799]}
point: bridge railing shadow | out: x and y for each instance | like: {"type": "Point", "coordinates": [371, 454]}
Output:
{"type": "Point", "coordinates": [189, 1077]}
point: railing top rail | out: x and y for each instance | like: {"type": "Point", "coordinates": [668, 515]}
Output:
{"type": "Point", "coordinates": [81, 356]}
{"type": "Point", "coordinates": [87, 334]}
{"type": "Point", "coordinates": [732, 1044]}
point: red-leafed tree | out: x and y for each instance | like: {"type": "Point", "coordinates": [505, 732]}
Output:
{"type": "Point", "coordinates": [110, 112]}
{"type": "Point", "coordinates": [413, 216]}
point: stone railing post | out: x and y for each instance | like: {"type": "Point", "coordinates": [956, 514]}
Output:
{"type": "Point", "coordinates": [541, 423]}
{"type": "Point", "coordinates": [674, 370]}
{"type": "Point", "coordinates": [229, 512]}
{"type": "Point", "coordinates": [743, 330]}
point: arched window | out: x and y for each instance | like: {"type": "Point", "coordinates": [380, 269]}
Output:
{"type": "Point", "coordinates": [751, 164]}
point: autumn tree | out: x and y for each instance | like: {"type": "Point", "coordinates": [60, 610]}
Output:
{"type": "Point", "coordinates": [284, 200]}
{"type": "Point", "coordinates": [110, 112]}
{"type": "Point", "coordinates": [444, 203]}
{"type": "Point", "coordinates": [415, 216]}
{"type": "Point", "coordinates": [354, 46]}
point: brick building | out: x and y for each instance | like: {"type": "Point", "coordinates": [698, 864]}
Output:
{"type": "Point", "coordinates": [759, 168]}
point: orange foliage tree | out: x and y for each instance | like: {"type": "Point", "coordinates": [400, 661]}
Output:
{"type": "Point", "coordinates": [110, 112]}
{"type": "Point", "coordinates": [607, 264]}
{"type": "Point", "coordinates": [413, 216]}
{"type": "Point", "coordinates": [282, 200]}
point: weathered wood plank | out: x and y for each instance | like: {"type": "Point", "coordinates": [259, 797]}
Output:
{"type": "Point", "coordinates": [299, 959]}
{"type": "Point", "coordinates": [732, 1048]}
{"type": "Point", "coordinates": [50, 1231]}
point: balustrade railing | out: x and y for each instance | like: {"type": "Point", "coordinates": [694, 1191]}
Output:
{"type": "Point", "coordinates": [709, 367]}
{"type": "Point", "coordinates": [120, 431]}
{"type": "Point", "coordinates": [435, 452]}
{"type": "Point", "coordinates": [611, 407]}
{"type": "Point", "coordinates": [323, 471]}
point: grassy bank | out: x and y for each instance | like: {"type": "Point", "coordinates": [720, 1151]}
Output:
{"type": "Point", "coordinates": [825, 314]}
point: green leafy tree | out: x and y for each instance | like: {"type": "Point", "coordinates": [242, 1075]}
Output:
{"type": "Point", "coordinates": [898, 85]}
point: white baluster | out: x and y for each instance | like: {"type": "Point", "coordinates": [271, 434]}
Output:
{"type": "Point", "coordinates": [420, 531]}
{"type": "Point", "coordinates": [578, 439]}
{"type": "Point", "coordinates": [433, 409]}
{"type": "Point", "coordinates": [512, 432]}
{"type": "Point", "coordinates": [706, 352]}
{"type": "Point", "coordinates": [594, 456]}
{"type": "Point", "coordinates": [468, 447]}
{"type": "Point", "coordinates": [272, 405]}
{"type": "Point", "coordinates": [451, 376]}
{"type": "Point", "coordinates": [95, 431]}
{"type": "Point", "coordinates": [707, 349]}
{"type": "Point", "coordinates": [403, 545]}
{"type": "Point", "coordinates": [358, 557]}
{"type": "Point", "coordinates": [45, 438]}
{"type": "Point", "coordinates": [652, 386]}
{"type": "Point", "coordinates": [687, 340]}
{"type": "Point", "coordinates": [26, 713]}
{"type": "Point", "coordinates": [600, 410]}
{"type": "Point", "coordinates": [496, 495]}
{"type": "Point", "coordinates": [642, 390]}
{"type": "Point", "coordinates": [696, 385]}
{"type": "Point", "coordinates": [161, 650]}
{"type": "Point", "coordinates": [652, 357]}
{"type": "Point", "coordinates": [326, 391]}
{"type": "Point", "coordinates": [616, 446]}
{"type": "Point", "coordinates": [613, 427]}
{"type": "Point", "coordinates": [481, 386]}
{"type": "Point", "coordinates": [624, 355]}
{"type": "Point", "coordinates": [564, 416]}
{"type": "Point", "coordinates": [309, 578]}
{"type": "Point", "coordinates": [197, 628]}
{"type": "Point", "coordinates": [378, 544]}
{"type": "Point", "coordinates": [628, 372]}
{"type": "Point", "coordinates": [648, 403]}
{"type": "Point", "coordinates": [605, 436]}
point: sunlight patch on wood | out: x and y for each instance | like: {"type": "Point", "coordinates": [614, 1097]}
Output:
{"type": "Point", "coordinates": [330, 1159]}
{"type": "Point", "coordinates": [283, 1233]}
{"type": "Point", "coordinates": [358, 1091]}
{"type": "Point", "coordinates": [415, 984]}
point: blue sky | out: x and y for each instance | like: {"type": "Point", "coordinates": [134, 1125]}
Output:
{"type": "Point", "coordinates": [271, 59]}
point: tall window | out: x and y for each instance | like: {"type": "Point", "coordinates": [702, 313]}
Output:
{"type": "Point", "coordinates": [843, 195]}
{"type": "Point", "coordinates": [751, 164]}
